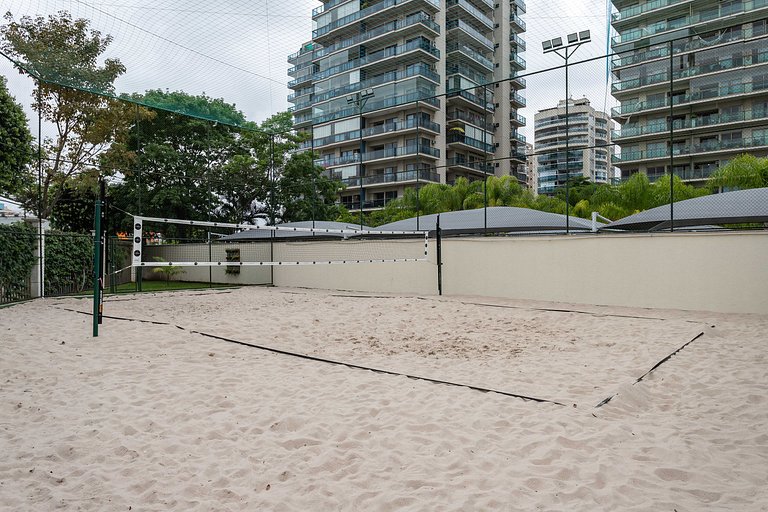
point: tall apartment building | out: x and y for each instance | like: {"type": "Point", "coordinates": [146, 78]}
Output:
{"type": "Point", "coordinates": [397, 93]}
{"type": "Point", "coordinates": [531, 169]}
{"type": "Point", "coordinates": [589, 152]}
{"type": "Point", "coordinates": [717, 55]}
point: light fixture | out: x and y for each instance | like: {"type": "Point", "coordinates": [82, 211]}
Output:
{"type": "Point", "coordinates": [573, 38]}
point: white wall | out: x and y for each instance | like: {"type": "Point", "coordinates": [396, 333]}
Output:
{"type": "Point", "coordinates": [725, 272]}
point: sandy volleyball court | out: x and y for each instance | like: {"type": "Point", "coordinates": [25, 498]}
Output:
{"type": "Point", "coordinates": [157, 416]}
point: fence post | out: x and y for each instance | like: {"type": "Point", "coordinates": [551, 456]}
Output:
{"type": "Point", "coordinates": [439, 243]}
{"type": "Point", "coordinates": [96, 267]}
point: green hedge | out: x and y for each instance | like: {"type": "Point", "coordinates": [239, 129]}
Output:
{"type": "Point", "coordinates": [17, 257]}
{"type": "Point", "coordinates": [68, 263]}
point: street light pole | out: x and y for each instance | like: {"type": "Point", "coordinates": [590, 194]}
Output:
{"type": "Point", "coordinates": [556, 46]}
{"type": "Point", "coordinates": [359, 99]}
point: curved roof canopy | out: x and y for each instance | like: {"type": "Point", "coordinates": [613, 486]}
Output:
{"type": "Point", "coordinates": [726, 208]}
{"type": "Point", "coordinates": [501, 219]}
{"type": "Point", "coordinates": [283, 231]}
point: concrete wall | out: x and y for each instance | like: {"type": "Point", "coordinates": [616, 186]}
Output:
{"type": "Point", "coordinates": [725, 272]}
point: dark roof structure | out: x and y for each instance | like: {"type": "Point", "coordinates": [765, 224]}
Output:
{"type": "Point", "coordinates": [284, 231]}
{"type": "Point", "coordinates": [742, 206]}
{"type": "Point", "coordinates": [501, 219]}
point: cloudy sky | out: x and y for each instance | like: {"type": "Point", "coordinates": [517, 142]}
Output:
{"type": "Point", "coordinates": [237, 50]}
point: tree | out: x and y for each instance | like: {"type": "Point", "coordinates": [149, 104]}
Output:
{"type": "Point", "coordinates": [180, 166]}
{"type": "Point", "coordinates": [63, 55]}
{"type": "Point", "coordinates": [742, 172]}
{"type": "Point", "coordinates": [15, 145]}
{"type": "Point", "coordinates": [305, 192]}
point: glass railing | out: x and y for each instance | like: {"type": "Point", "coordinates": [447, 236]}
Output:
{"type": "Point", "coordinates": [475, 165]}
{"type": "Point", "coordinates": [471, 9]}
{"type": "Point", "coordinates": [517, 20]}
{"type": "Point", "coordinates": [479, 121]}
{"type": "Point", "coordinates": [396, 177]}
{"type": "Point", "coordinates": [710, 147]}
{"type": "Point", "coordinates": [473, 32]}
{"type": "Point", "coordinates": [573, 119]}
{"type": "Point", "coordinates": [392, 76]}
{"type": "Point", "coordinates": [517, 118]}
{"type": "Point", "coordinates": [300, 80]}
{"type": "Point", "coordinates": [478, 78]}
{"type": "Point", "coordinates": [517, 98]}
{"type": "Point", "coordinates": [400, 126]}
{"type": "Point", "coordinates": [691, 123]}
{"type": "Point", "coordinates": [700, 95]}
{"type": "Point", "coordinates": [572, 141]}
{"type": "Point", "coordinates": [710, 14]}
{"type": "Point", "coordinates": [421, 18]}
{"type": "Point", "coordinates": [469, 52]}
{"type": "Point", "coordinates": [519, 3]}
{"type": "Point", "coordinates": [519, 137]}
{"type": "Point", "coordinates": [640, 9]}
{"type": "Point", "coordinates": [411, 149]}
{"type": "Point", "coordinates": [386, 53]}
{"type": "Point", "coordinates": [517, 40]}
{"type": "Point", "coordinates": [487, 105]}
{"type": "Point", "coordinates": [514, 58]}
{"type": "Point", "coordinates": [292, 71]}
{"type": "Point", "coordinates": [469, 141]}
{"type": "Point", "coordinates": [720, 65]}
{"type": "Point", "coordinates": [319, 31]}
{"type": "Point", "coordinates": [423, 96]}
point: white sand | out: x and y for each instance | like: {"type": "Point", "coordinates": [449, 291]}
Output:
{"type": "Point", "coordinates": [153, 417]}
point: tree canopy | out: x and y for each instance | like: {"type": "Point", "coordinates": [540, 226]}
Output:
{"type": "Point", "coordinates": [15, 145]}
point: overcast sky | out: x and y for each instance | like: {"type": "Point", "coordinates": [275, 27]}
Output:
{"type": "Point", "coordinates": [237, 49]}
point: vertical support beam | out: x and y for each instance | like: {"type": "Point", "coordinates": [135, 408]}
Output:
{"type": "Point", "coordinates": [439, 243]}
{"type": "Point", "coordinates": [567, 151]}
{"type": "Point", "coordinates": [418, 163]}
{"type": "Point", "coordinates": [103, 241]}
{"type": "Point", "coordinates": [362, 169]}
{"type": "Point", "coordinates": [40, 235]}
{"type": "Point", "coordinates": [671, 139]}
{"type": "Point", "coordinates": [139, 270]}
{"type": "Point", "coordinates": [96, 267]}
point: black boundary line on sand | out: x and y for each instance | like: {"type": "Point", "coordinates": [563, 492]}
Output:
{"type": "Point", "coordinates": [328, 361]}
{"type": "Point", "coordinates": [643, 376]}
{"type": "Point", "coordinates": [556, 310]}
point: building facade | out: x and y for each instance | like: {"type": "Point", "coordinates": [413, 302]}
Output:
{"type": "Point", "coordinates": [399, 93]}
{"type": "Point", "coordinates": [531, 169]}
{"type": "Point", "coordinates": [692, 81]}
{"type": "Point", "coordinates": [589, 140]}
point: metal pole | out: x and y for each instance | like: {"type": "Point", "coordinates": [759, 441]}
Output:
{"type": "Point", "coordinates": [671, 141]}
{"type": "Point", "coordinates": [362, 171]}
{"type": "Point", "coordinates": [567, 150]}
{"type": "Point", "coordinates": [40, 261]}
{"type": "Point", "coordinates": [102, 242]}
{"type": "Point", "coordinates": [485, 160]}
{"type": "Point", "coordinates": [139, 270]}
{"type": "Point", "coordinates": [418, 164]}
{"type": "Point", "coordinates": [272, 179]}
{"type": "Point", "coordinates": [96, 266]}
{"type": "Point", "coordinates": [439, 242]}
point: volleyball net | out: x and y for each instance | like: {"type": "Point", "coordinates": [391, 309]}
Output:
{"type": "Point", "coordinates": [159, 242]}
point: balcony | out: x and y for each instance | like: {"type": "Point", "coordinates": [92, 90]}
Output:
{"type": "Point", "coordinates": [420, 19]}
{"type": "Point", "coordinates": [517, 41]}
{"type": "Point", "coordinates": [701, 17]}
{"type": "Point", "coordinates": [729, 146]}
{"type": "Point", "coordinates": [517, 22]}
{"type": "Point", "coordinates": [351, 18]}
{"type": "Point", "coordinates": [471, 98]}
{"type": "Point", "coordinates": [460, 138]}
{"type": "Point", "coordinates": [300, 80]}
{"type": "Point", "coordinates": [392, 76]}
{"type": "Point", "coordinates": [473, 119]}
{"type": "Point", "coordinates": [476, 13]}
{"type": "Point", "coordinates": [401, 151]}
{"type": "Point", "coordinates": [517, 61]}
{"type": "Point", "coordinates": [478, 78]}
{"type": "Point", "coordinates": [470, 31]}
{"type": "Point", "coordinates": [471, 54]}
{"type": "Point", "coordinates": [410, 124]}
{"type": "Point", "coordinates": [691, 123]}
{"type": "Point", "coordinates": [477, 166]}
{"type": "Point", "coordinates": [386, 53]}
{"type": "Point", "coordinates": [424, 97]}
{"type": "Point", "coordinates": [516, 119]}
{"type": "Point", "coordinates": [520, 4]}
{"type": "Point", "coordinates": [389, 178]}
{"type": "Point", "coordinates": [756, 87]}
{"type": "Point", "coordinates": [636, 10]}
{"type": "Point", "coordinates": [517, 82]}
{"type": "Point", "coordinates": [723, 64]}
{"type": "Point", "coordinates": [517, 100]}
